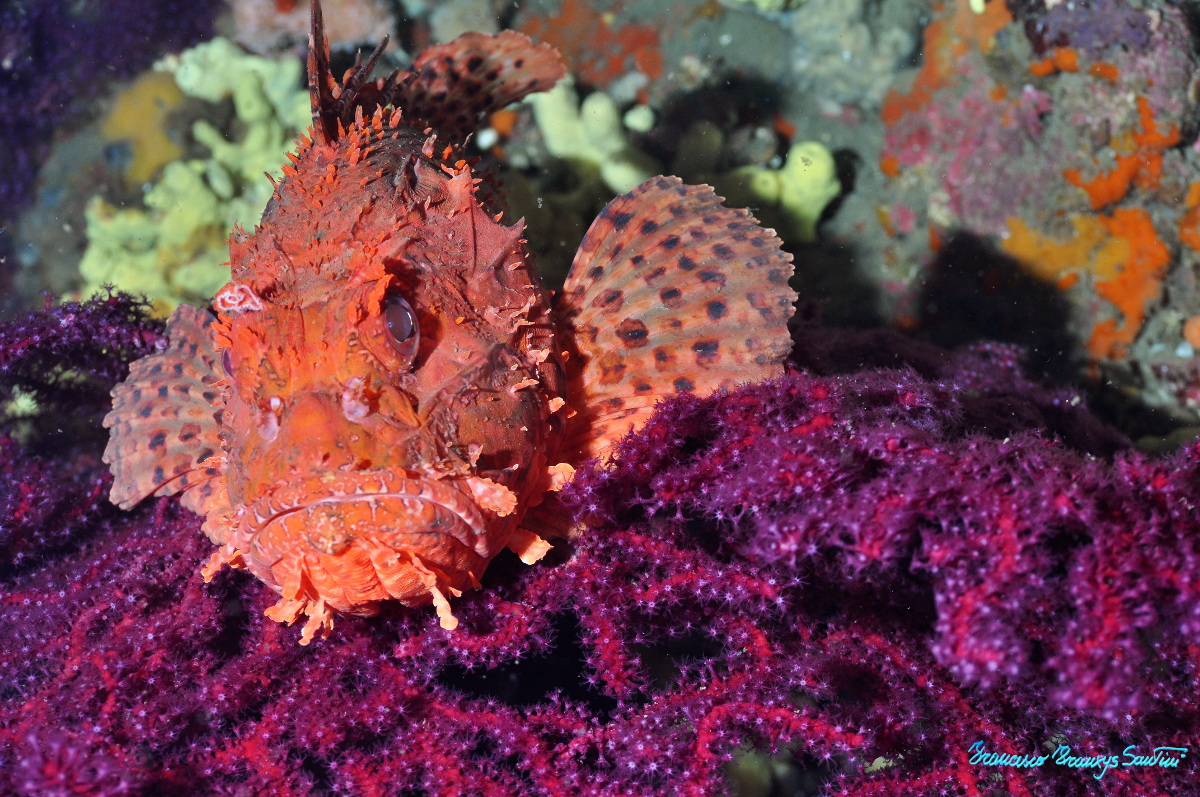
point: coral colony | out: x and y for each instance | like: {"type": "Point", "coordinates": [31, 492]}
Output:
{"type": "Point", "coordinates": [883, 573]}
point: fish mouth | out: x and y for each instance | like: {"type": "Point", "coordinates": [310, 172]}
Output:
{"type": "Point", "coordinates": [354, 539]}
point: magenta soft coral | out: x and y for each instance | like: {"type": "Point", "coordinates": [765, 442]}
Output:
{"type": "Point", "coordinates": [1044, 566]}
{"type": "Point", "coordinates": [836, 567]}
{"type": "Point", "coordinates": [68, 357]}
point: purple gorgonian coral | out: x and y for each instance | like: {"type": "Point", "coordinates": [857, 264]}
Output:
{"type": "Point", "coordinates": [863, 568]}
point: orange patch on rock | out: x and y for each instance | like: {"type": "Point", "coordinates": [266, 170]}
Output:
{"type": "Point", "coordinates": [597, 52]}
{"type": "Point", "coordinates": [1103, 70]}
{"type": "Point", "coordinates": [1067, 281]}
{"type": "Point", "coordinates": [784, 128]}
{"type": "Point", "coordinates": [1137, 284]}
{"type": "Point", "coordinates": [1142, 166]}
{"type": "Point", "coordinates": [946, 39]}
{"type": "Point", "coordinates": [934, 74]}
{"type": "Point", "coordinates": [1124, 256]}
{"type": "Point", "coordinates": [503, 122]}
{"type": "Point", "coordinates": [1063, 59]}
{"type": "Point", "coordinates": [980, 29]}
{"type": "Point", "coordinates": [1107, 187]}
{"type": "Point", "coordinates": [1090, 248]}
{"type": "Point", "coordinates": [1191, 331]}
{"type": "Point", "coordinates": [1189, 222]}
{"type": "Point", "coordinates": [1043, 68]}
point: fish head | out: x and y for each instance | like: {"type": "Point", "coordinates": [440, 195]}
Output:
{"type": "Point", "coordinates": [389, 361]}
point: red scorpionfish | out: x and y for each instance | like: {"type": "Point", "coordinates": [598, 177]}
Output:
{"type": "Point", "coordinates": [386, 396]}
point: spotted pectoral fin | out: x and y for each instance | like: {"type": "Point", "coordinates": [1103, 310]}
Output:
{"type": "Point", "coordinates": [164, 435]}
{"type": "Point", "coordinates": [670, 292]}
{"type": "Point", "coordinates": [451, 87]}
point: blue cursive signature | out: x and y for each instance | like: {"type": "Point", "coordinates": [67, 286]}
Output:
{"type": "Point", "coordinates": [1130, 757]}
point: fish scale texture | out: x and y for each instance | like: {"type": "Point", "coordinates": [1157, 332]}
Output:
{"type": "Point", "coordinates": [801, 565]}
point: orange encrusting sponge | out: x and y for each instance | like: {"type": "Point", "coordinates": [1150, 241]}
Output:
{"type": "Point", "coordinates": [1141, 164]}
{"type": "Point", "coordinates": [1124, 256]}
{"type": "Point", "coordinates": [1063, 59]}
{"type": "Point", "coordinates": [1189, 222]}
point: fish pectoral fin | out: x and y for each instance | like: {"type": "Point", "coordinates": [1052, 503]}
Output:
{"type": "Point", "coordinates": [670, 292]}
{"type": "Point", "coordinates": [163, 435]}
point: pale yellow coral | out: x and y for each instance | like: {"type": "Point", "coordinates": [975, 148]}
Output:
{"type": "Point", "coordinates": [171, 252]}
{"type": "Point", "coordinates": [791, 198]}
{"type": "Point", "coordinates": [174, 248]}
{"type": "Point", "coordinates": [591, 134]}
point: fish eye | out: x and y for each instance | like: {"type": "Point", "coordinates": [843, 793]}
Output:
{"type": "Point", "coordinates": [388, 326]}
{"type": "Point", "coordinates": [401, 324]}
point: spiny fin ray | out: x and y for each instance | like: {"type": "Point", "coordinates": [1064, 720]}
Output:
{"type": "Point", "coordinates": [450, 87]}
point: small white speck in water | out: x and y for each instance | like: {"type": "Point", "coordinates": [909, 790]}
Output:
{"type": "Point", "coordinates": [487, 138]}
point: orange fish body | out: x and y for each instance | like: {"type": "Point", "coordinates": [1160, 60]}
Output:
{"type": "Point", "coordinates": [387, 390]}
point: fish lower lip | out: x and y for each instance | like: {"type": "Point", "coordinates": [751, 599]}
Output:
{"type": "Point", "coordinates": [437, 501]}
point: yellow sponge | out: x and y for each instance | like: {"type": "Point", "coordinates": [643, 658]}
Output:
{"type": "Point", "coordinates": [138, 118]}
{"type": "Point", "coordinates": [790, 198]}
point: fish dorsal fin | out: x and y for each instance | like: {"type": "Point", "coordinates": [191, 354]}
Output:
{"type": "Point", "coordinates": [164, 437]}
{"type": "Point", "coordinates": [333, 105]}
{"type": "Point", "coordinates": [670, 292]}
{"type": "Point", "coordinates": [450, 87]}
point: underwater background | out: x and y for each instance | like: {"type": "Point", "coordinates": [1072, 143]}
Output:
{"type": "Point", "coordinates": [969, 515]}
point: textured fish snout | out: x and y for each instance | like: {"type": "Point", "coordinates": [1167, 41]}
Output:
{"type": "Point", "coordinates": [331, 430]}
{"type": "Point", "coordinates": [347, 541]}
{"type": "Point", "coordinates": [312, 426]}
